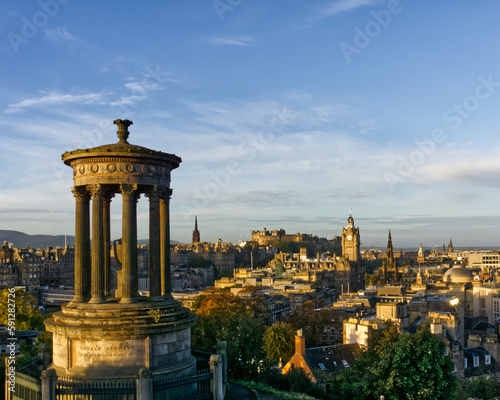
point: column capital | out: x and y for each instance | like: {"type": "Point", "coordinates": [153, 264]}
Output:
{"type": "Point", "coordinates": [96, 190]}
{"type": "Point", "coordinates": [153, 193]}
{"type": "Point", "coordinates": [80, 193]}
{"type": "Point", "coordinates": [129, 191]}
{"type": "Point", "coordinates": [164, 193]}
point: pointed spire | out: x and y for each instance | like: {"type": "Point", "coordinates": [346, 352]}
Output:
{"type": "Point", "coordinates": [196, 232]}
{"type": "Point", "coordinates": [389, 242]}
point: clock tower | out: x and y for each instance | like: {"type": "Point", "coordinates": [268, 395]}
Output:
{"type": "Point", "coordinates": [350, 241]}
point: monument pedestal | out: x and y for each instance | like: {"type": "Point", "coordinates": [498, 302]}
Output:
{"type": "Point", "coordinates": [113, 341]}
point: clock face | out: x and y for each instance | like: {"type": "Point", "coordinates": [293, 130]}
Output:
{"type": "Point", "coordinates": [349, 238]}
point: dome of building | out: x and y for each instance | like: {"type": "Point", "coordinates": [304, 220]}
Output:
{"type": "Point", "coordinates": [457, 274]}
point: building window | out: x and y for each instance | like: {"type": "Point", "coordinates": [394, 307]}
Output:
{"type": "Point", "coordinates": [487, 359]}
{"type": "Point", "coordinates": [476, 361]}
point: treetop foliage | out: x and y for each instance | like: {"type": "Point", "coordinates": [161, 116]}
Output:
{"type": "Point", "coordinates": [400, 367]}
{"type": "Point", "coordinates": [279, 342]}
{"type": "Point", "coordinates": [28, 315]}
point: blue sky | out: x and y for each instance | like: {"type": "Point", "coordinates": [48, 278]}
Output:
{"type": "Point", "coordinates": [285, 113]}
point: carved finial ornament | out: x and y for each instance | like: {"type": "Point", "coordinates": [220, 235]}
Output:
{"type": "Point", "coordinates": [123, 132]}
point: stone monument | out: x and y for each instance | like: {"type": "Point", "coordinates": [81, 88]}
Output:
{"type": "Point", "coordinates": [101, 335]}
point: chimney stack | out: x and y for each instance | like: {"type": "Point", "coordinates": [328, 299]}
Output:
{"type": "Point", "coordinates": [300, 343]}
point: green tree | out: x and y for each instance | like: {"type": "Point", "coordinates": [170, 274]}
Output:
{"type": "Point", "coordinates": [27, 313]}
{"type": "Point", "coordinates": [311, 319]}
{"type": "Point", "coordinates": [411, 367]}
{"type": "Point", "coordinates": [478, 388]}
{"type": "Point", "coordinates": [200, 262]}
{"type": "Point", "coordinates": [279, 341]}
{"type": "Point", "coordinates": [263, 263]}
{"type": "Point", "coordinates": [285, 246]}
{"type": "Point", "coordinates": [223, 316]}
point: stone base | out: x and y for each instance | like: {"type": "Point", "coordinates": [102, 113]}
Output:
{"type": "Point", "coordinates": [113, 341]}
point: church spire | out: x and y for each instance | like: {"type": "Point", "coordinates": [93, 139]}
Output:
{"type": "Point", "coordinates": [390, 263]}
{"type": "Point", "coordinates": [196, 232]}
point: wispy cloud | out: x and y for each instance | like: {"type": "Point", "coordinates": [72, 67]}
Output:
{"type": "Point", "coordinates": [56, 98]}
{"type": "Point", "coordinates": [344, 6]}
{"type": "Point", "coordinates": [482, 171]}
{"type": "Point", "coordinates": [152, 80]}
{"type": "Point", "coordinates": [60, 36]}
{"type": "Point", "coordinates": [232, 41]}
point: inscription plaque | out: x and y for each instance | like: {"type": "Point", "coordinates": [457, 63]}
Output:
{"type": "Point", "coordinates": [121, 353]}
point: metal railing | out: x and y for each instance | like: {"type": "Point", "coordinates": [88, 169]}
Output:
{"type": "Point", "coordinates": [67, 389]}
{"type": "Point", "coordinates": [197, 387]}
{"type": "Point", "coordinates": [27, 388]}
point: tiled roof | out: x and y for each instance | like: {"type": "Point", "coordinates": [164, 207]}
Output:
{"type": "Point", "coordinates": [332, 358]}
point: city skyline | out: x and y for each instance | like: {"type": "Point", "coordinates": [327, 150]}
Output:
{"type": "Point", "coordinates": [285, 115]}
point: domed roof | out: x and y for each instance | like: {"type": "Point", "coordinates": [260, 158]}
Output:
{"type": "Point", "coordinates": [122, 148]}
{"type": "Point", "coordinates": [457, 274]}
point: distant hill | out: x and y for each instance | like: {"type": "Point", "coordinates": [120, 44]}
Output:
{"type": "Point", "coordinates": [146, 241]}
{"type": "Point", "coordinates": [21, 240]}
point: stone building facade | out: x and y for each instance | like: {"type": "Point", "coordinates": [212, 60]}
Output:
{"type": "Point", "coordinates": [265, 237]}
{"type": "Point", "coordinates": [33, 268]}
{"type": "Point", "coordinates": [351, 242]}
{"type": "Point", "coordinates": [221, 255]}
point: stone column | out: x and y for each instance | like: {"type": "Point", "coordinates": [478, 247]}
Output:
{"type": "Point", "coordinates": [154, 245]}
{"type": "Point", "coordinates": [144, 385]}
{"type": "Point", "coordinates": [128, 282]}
{"type": "Point", "coordinates": [82, 245]}
{"type": "Point", "coordinates": [48, 383]}
{"type": "Point", "coordinates": [97, 278]}
{"type": "Point", "coordinates": [166, 287]}
{"type": "Point", "coordinates": [218, 389]}
{"type": "Point", "coordinates": [222, 352]}
{"type": "Point", "coordinates": [108, 195]}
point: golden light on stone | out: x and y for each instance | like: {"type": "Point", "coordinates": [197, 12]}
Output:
{"type": "Point", "coordinates": [105, 334]}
